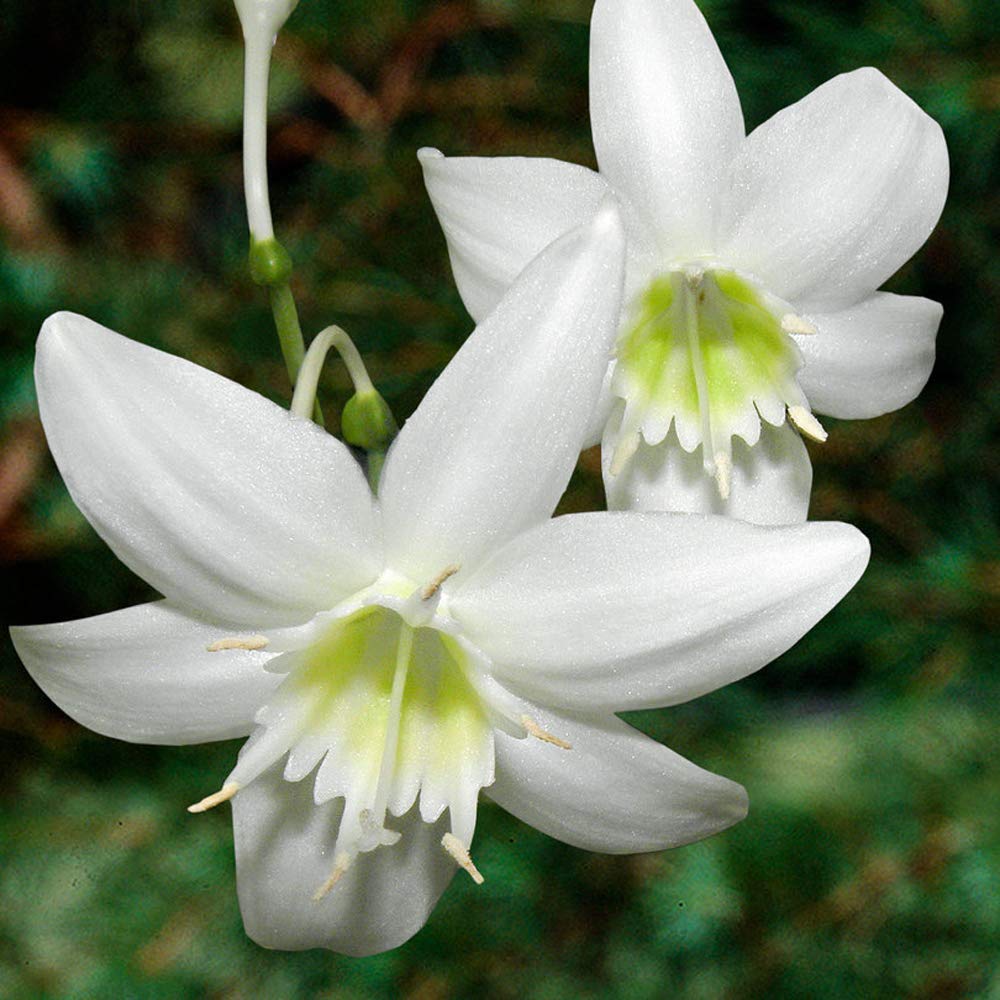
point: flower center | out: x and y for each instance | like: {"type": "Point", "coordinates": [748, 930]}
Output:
{"type": "Point", "coordinates": [385, 702]}
{"type": "Point", "coordinates": [384, 711]}
{"type": "Point", "coordinates": [712, 353]}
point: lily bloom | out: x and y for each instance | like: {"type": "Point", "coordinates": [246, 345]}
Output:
{"type": "Point", "coordinates": [391, 658]}
{"type": "Point", "coordinates": [753, 261]}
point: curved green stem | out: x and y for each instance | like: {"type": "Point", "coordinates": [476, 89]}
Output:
{"type": "Point", "coordinates": [367, 422]}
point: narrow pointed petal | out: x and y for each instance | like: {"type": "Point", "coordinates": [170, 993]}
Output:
{"type": "Point", "coordinates": [498, 213]}
{"type": "Point", "coordinates": [217, 497]}
{"type": "Point", "coordinates": [145, 675]}
{"type": "Point", "coordinates": [665, 114]}
{"type": "Point", "coordinates": [835, 193]}
{"type": "Point", "coordinates": [872, 358]}
{"type": "Point", "coordinates": [612, 611]}
{"type": "Point", "coordinates": [770, 481]}
{"type": "Point", "coordinates": [615, 791]}
{"type": "Point", "coordinates": [489, 451]}
{"type": "Point", "coordinates": [285, 852]}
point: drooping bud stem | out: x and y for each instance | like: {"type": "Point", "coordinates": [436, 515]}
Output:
{"type": "Point", "coordinates": [308, 380]}
{"type": "Point", "coordinates": [367, 422]}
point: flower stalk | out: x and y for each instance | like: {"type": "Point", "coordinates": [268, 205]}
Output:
{"type": "Point", "coordinates": [270, 264]}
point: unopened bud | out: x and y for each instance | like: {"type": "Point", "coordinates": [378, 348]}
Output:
{"type": "Point", "coordinates": [270, 264]}
{"type": "Point", "coordinates": [367, 422]}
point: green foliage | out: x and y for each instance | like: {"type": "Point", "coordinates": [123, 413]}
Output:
{"type": "Point", "coordinates": [869, 864]}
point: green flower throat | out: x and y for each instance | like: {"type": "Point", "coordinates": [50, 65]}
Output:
{"type": "Point", "coordinates": [712, 354]}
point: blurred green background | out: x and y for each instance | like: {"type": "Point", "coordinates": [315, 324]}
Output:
{"type": "Point", "coordinates": [870, 863]}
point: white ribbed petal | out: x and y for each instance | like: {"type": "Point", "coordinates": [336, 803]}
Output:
{"type": "Point", "coordinates": [770, 481]}
{"type": "Point", "coordinates": [498, 213]}
{"type": "Point", "coordinates": [872, 358]}
{"type": "Point", "coordinates": [611, 611]}
{"type": "Point", "coordinates": [616, 791]}
{"type": "Point", "coordinates": [665, 115]}
{"type": "Point", "coordinates": [490, 449]}
{"type": "Point", "coordinates": [833, 194]}
{"type": "Point", "coordinates": [285, 852]}
{"type": "Point", "coordinates": [217, 497]}
{"type": "Point", "coordinates": [144, 675]}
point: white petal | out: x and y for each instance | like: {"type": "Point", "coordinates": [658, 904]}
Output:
{"type": "Point", "coordinates": [665, 114]}
{"type": "Point", "coordinates": [872, 358]}
{"type": "Point", "coordinates": [770, 481]}
{"type": "Point", "coordinates": [498, 213]}
{"type": "Point", "coordinates": [144, 675]}
{"type": "Point", "coordinates": [285, 852]}
{"type": "Point", "coordinates": [217, 497]}
{"type": "Point", "coordinates": [610, 611]}
{"type": "Point", "coordinates": [491, 448]}
{"type": "Point", "coordinates": [616, 791]}
{"type": "Point", "coordinates": [835, 193]}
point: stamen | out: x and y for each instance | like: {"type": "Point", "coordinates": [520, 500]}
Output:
{"type": "Point", "coordinates": [532, 728]}
{"type": "Point", "coordinates": [238, 642]}
{"type": "Point", "coordinates": [807, 423]}
{"type": "Point", "coordinates": [791, 323]}
{"type": "Point", "coordinates": [460, 853]}
{"type": "Point", "coordinates": [224, 794]}
{"type": "Point", "coordinates": [723, 473]}
{"type": "Point", "coordinates": [340, 866]}
{"type": "Point", "coordinates": [435, 585]}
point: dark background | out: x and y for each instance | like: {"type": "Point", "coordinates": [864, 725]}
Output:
{"type": "Point", "coordinates": [869, 864]}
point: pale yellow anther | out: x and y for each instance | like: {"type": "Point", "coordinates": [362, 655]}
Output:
{"type": "Point", "coordinates": [460, 853]}
{"type": "Point", "coordinates": [238, 642]}
{"type": "Point", "coordinates": [807, 423]}
{"type": "Point", "coordinates": [435, 585]}
{"type": "Point", "coordinates": [224, 794]}
{"type": "Point", "coordinates": [723, 474]}
{"type": "Point", "coordinates": [532, 728]}
{"type": "Point", "coordinates": [341, 863]}
{"type": "Point", "coordinates": [791, 323]}
{"type": "Point", "coordinates": [627, 446]}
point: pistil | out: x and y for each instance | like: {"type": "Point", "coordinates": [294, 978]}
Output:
{"type": "Point", "coordinates": [693, 297]}
{"type": "Point", "coordinates": [404, 651]}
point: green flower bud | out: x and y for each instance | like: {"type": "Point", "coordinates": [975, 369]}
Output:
{"type": "Point", "coordinates": [367, 422]}
{"type": "Point", "coordinates": [270, 264]}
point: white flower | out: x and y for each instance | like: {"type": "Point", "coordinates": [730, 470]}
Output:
{"type": "Point", "coordinates": [405, 654]}
{"type": "Point", "coordinates": [753, 261]}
